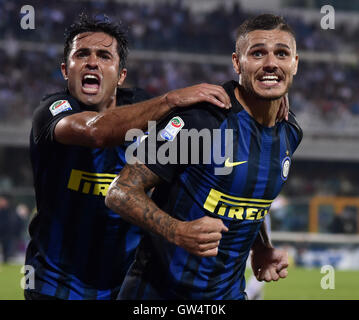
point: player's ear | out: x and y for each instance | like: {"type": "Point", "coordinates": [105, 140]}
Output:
{"type": "Point", "coordinates": [296, 65]}
{"type": "Point", "coordinates": [235, 62]}
{"type": "Point", "coordinates": [122, 77]}
{"type": "Point", "coordinates": [64, 70]}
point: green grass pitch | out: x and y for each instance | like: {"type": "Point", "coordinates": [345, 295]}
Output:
{"type": "Point", "coordinates": [300, 284]}
{"type": "Point", "coordinates": [305, 284]}
{"type": "Point", "coordinates": [10, 278]}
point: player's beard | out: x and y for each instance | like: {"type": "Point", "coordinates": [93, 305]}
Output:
{"type": "Point", "coordinates": [246, 83]}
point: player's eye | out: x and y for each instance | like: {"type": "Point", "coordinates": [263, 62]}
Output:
{"type": "Point", "coordinates": [81, 54]}
{"type": "Point", "coordinates": [282, 53]}
{"type": "Point", "coordinates": [257, 53]}
{"type": "Point", "coordinates": [105, 56]}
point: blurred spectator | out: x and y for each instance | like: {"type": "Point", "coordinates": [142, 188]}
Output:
{"type": "Point", "coordinates": [20, 226]}
{"type": "Point", "coordinates": [337, 224]}
{"type": "Point", "coordinates": [279, 212]}
{"type": "Point", "coordinates": [6, 235]}
{"type": "Point", "coordinates": [348, 222]}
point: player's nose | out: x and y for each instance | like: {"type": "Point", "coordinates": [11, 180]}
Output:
{"type": "Point", "coordinates": [270, 63]}
{"type": "Point", "coordinates": [92, 61]}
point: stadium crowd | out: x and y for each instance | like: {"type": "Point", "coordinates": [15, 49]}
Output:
{"type": "Point", "coordinates": [168, 25]}
{"type": "Point", "coordinates": [172, 27]}
{"type": "Point", "coordinates": [32, 74]}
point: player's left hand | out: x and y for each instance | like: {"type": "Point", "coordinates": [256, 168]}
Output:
{"type": "Point", "coordinates": [283, 109]}
{"type": "Point", "coordinates": [269, 264]}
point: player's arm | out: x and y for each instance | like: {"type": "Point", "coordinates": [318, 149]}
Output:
{"type": "Point", "coordinates": [108, 128]}
{"type": "Point", "coordinates": [262, 240]}
{"type": "Point", "coordinates": [127, 196]}
{"type": "Point", "coordinates": [283, 111]}
{"type": "Point", "coordinates": [268, 263]}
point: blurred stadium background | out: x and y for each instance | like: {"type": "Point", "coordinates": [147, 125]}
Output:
{"type": "Point", "coordinates": [178, 43]}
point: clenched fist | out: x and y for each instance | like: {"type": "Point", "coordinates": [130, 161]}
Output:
{"type": "Point", "coordinates": [200, 237]}
{"type": "Point", "coordinates": [269, 264]}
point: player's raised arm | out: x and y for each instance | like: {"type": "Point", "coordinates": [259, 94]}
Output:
{"type": "Point", "coordinates": [108, 128]}
{"type": "Point", "coordinates": [127, 196]}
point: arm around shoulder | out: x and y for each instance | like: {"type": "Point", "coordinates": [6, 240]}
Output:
{"type": "Point", "coordinates": [109, 128]}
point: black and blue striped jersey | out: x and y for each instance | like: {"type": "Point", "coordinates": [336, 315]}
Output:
{"type": "Point", "coordinates": [79, 248]}
{"type": "Point", "coordinates": [257, 169]}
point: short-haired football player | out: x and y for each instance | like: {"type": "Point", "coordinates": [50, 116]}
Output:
{"type": "Point", "coordinates": [202, 225]}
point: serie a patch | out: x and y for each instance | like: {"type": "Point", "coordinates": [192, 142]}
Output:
{"type": "Point", "coordinates": [172, 128]}
{"type": "Point", "coordinates": [59, 106]}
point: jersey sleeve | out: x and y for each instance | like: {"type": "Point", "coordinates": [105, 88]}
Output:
{"type": "Point", "coordinates": [177, 141]}
{"type": "Point", "coordinates": [50, 111]}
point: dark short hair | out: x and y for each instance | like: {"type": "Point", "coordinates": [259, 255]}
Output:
{"type": "Point", "coordinates": [262, 22]}
{"type": "Point", "coordinates": [92, 24]}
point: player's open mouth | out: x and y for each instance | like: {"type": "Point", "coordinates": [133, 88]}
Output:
{"type": "Point", "coordinates": [270, 80]}
{"type": "Point", "coordinates": [90, 83]}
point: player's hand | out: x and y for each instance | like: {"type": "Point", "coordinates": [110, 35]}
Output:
{"type": "Point", "coordinates": [201, 236]}
{"type": "Point", "coordinates": [203, 92]}
{"type": "Point", "coordinates": [269, 264]}
{"type": "Point", "coordinates": [283, 109]}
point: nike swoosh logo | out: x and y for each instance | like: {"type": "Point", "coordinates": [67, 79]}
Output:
{"type": "Point", "coordinates": [233, 164]}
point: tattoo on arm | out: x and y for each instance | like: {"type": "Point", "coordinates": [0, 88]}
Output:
{"type": "Point", "coordinates": [127, 196]}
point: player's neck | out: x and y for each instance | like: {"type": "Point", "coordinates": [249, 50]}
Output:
{"type": "Point", "coordinates": [111, 103]}
{"type": "Point", "coordinates": [104, 105]}
{"type": "Point", "coordinates": [263, 111]}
